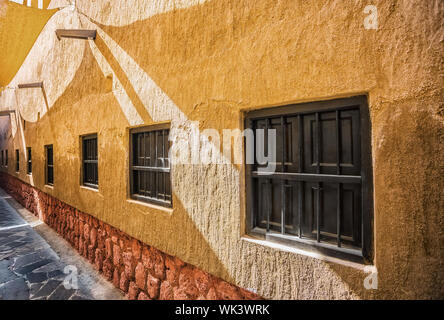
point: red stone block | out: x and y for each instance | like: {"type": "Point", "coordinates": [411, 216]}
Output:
{"type": "Point", "coordinates": [180, 294]}
{"type": "Point", "coordinates": [146, 258]}
{"type": "Point", "coordinates": [91, 253]}
{"type": "Point", "coordinates": [136, 249]}
{"type": "Point", "coordinates": [116, 255]}
{"type": "Point", "coordinates": [212, 295]}
{"type": "Point", "coordinates": [143, 296]}
{"type": "Point", "coordinates": [100, 238]}
{"type": "Point", "coordinates": [108, 248]}
{"type": "Point", "coordinates": [157, 264]}
{"type": "Point", "coordinates": [141, 276]}
{"type": "Point", "coordinates": [172, 270]}
{"type": "Point", "coordinates": [116, 278]}
{"type": "Point", "coordinates": [153, 286]}
{"type": "Point", "coordinates": [124, 282]}
{"type": "Point", "coordinates": [81, 244]}
{"type": "Point", "coordinates": [227, 291]}
{"type": "Point", "coordinates": [86, 231]}
{"type": "Point", "coordinates": [108, 269]}
{"type": "Point", "coordinates": [99, 259]}
{"type": "Point", "coordinates": [128, 264]}
{"type": "Point", "coordinates": [202, 280]}
{"type": "Point", "coordinates": [80, 231]}
{"type": "Point", "coordinates": [187, 283]}
{"type": "Point", "coordinates": [93, 237]}
{"type": "Point", "coordinates": [133, 291]}
{"type": "Point", "coordinates": [166, 291]}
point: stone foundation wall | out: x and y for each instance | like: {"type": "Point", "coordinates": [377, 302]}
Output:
{"type": "Point", "coordinates": [139, 270]}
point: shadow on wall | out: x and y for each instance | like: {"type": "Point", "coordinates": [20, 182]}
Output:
{"type": "Point", "coordinates": [80, 96]}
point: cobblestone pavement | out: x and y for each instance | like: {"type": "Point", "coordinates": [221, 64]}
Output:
{"type": "Point", "coordinates": [31, 270]}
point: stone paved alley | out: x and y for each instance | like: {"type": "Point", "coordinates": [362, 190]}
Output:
{"type": "Point", "coordinates": [33, 259]}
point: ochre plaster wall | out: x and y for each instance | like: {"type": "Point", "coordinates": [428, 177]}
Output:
{"type": "Point", "coordinates": [209, 61]}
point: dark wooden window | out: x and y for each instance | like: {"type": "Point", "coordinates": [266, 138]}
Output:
{"type": "Point", "coordinates": [321, 192]}
{"type": "Point", "coordinates": [90, 161]}
{"type": "Point", "coordinates": [150, 165]}
{"type": "Point", "coordinates": [49, 165]}
{"type": "Point", "coordinates": [17, 160]}
{"type": "Point", "coordinates": [6, 158]}
{"type": "Point", "coordinates": [29, 161]}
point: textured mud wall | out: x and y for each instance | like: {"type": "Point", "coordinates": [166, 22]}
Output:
{"type": "Point", "coordinates": [209, 61]}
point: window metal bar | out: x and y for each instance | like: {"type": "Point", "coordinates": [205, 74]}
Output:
{"type": "Point", "coordinates": [318, 159]}
{"type": "Point", "coordinates": [310, 177]}
{"type": "Point", "coordinates": [338, 171]}
{"type": "Point", "coordinates": [91, 161]}
{"type": "Point", "coordinates": [156, 164]}
{"type": "Point", "coordinates": [339, 207]}
{"type": "Point", "coordinates": [269, 183]}
{"type": "Point", "coordinates": [163, 155]}
{"type": "Point", "coordinates": [283, 190]}
{"type": "Point", "coordinates": [338, 144]}
{"type": "Point", "coordinates": [301, 184]}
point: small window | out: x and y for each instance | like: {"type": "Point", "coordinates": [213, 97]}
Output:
{"type": "Point", "coordinates": [17, 160]}
{"type": "Point", "coordinates": [90, 161]}
{"type": "Point", "coordinates": [321, 191]}
{"type": "Point", "coordinates": [6, 158]}
{"type": "Point", "coordinates": [150, 165]}
{"type": "Point", "coordinates": [3, 159]}
{"type": "Point", "coordinates": [29, 162]}
{"type": "Point", "coordinates": [49, 165]}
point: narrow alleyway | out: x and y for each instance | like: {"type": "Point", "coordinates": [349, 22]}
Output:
{"type": "Point", "coordinates": [35, 261]}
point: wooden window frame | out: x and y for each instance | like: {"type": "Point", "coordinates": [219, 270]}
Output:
{"type": "Point", "coordinates": [89, 161]}
{"type": "Point", "coordinates": [29, 161]}
{"type": "Point", "coordinates": [363, 254]}
{"type": "Point", "coordinates": [132, 167]}
{"type": "Point", "coordinates": [48, 166]}
{"type": "Point", "coordinates": [17, 160]}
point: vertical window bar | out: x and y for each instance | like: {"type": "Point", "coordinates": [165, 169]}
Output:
{"type": "Point", "coordinates": [156, 164]}
{"type": "Point", "coordinates": [318, 160]}
{"type": "Point", "coordinates": [283, 207]}
{"type": "Point", "coordinates": [339, 200]}
{"type": "Point", "coordinates": [269, 182]}
{"type": "Point", "coordinates": [338, 171]}
{"type": "Point", "coordinates": [301, 184]}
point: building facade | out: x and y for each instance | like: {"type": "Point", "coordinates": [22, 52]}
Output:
{"type": "Point", "coordinates": [126, 141]}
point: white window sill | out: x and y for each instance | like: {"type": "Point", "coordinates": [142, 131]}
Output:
{"type": "Point", "coordinates": [151, 206]}
{"type": "Point", "coordinates": [89, 189]}
{"type": "Point", "coordinates": [311, 254]}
